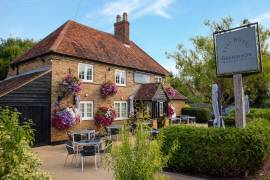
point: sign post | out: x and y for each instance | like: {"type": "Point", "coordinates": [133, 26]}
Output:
{"type": "Point", "coordinates": [240, 112]}
{"type": "Point", "coordinates": [237, 52]}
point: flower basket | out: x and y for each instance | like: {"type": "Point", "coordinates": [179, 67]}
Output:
{"type": "Point", "coordinates": [70, 85]}
{"type": "Point", "coordinates": [105, 116]}
{"type": "Point", "coordinates": [65, 119]}
{"type": "Point", "coordinates": [108, 89]}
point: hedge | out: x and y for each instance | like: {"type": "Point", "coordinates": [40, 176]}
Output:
{"type": "Point", "coordinates": [255, 113]}
{"type": "Point", "coordinates": [202, 114]}
{"type": "Point", "coordinates": [216, 152]}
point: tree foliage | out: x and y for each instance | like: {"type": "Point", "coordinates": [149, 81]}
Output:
{"type": "Point", "coordinates": [197, 71]}
{"type": "Point", "coordinates": [11, 48]}
{"type": "Point", "coordinates": [17, 161]}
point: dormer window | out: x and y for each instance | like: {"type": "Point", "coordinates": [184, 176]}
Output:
{"type": "Point", "coordinates": [85, 72]}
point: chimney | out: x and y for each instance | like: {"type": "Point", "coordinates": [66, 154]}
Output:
{"type": "Point", "coordinates": [121, 28]}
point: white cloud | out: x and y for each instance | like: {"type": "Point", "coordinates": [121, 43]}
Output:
{"type": "Point", "coordinates": [135, 9]}
{"type": "Point", "coordinates": [265, 17]}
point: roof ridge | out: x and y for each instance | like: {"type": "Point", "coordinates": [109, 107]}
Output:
{"type": "Point", "coordinates": [60, 37]}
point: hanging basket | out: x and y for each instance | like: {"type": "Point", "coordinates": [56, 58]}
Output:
{"type": "Point", "coordinates": [108, 89]}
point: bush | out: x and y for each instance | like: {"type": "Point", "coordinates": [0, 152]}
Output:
{"type": "Point", "coordinates": [255, 113]}
{"type": "Point", "coordinates": [17, 161]}
{"type": "Point", "coordinates": [216, 152]}
{"type": "Point", "coordinates": [140, 159]}
{"type": "Point", "coordinates": [202, 114]}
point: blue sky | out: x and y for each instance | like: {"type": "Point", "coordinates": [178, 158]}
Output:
{"type": "Point", "coordinates": [155, 25]}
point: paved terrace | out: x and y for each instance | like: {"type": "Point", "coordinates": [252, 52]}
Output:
{"type": "Point", "coordinates": [53, 158]}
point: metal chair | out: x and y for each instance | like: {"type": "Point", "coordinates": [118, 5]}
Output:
{"type": "Point", "coordinates": [70, 152]}
{"type": "Point", "coordinates": [88, 151]}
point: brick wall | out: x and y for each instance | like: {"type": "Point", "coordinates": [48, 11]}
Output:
{"type": "Point", "coordinates": [30, 65]}
{"type": "Point", "coordinates": [178, 105]}
{"type": "Point", "coordinates": [62, 65]}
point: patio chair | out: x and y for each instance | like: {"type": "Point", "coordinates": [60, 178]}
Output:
{"type": "Point", "coordinates": [70, 152]}
{"type": "Point", "coordinates": [88, 151]}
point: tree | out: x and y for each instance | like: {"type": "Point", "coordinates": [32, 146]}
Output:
{"type": "Point", "coordinates": [197, 71]}
{"type": "Point", "coordinates": [17, 161]}
{"type": "Point", "coordinates": [10, 49]}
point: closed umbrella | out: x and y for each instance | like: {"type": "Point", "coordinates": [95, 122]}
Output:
{"type": "Point", "coordinates": [131, 108]}
{"type": "Point", "coordinates": [247, 104]}
{"type": "Point", "coordinates": [218, 121]}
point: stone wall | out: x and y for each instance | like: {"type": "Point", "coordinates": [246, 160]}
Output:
{"type": "Point", "coordinates": [62, 65]}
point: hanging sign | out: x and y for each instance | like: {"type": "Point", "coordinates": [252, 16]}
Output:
{"type": "Point", "coordinates": [238, 50]}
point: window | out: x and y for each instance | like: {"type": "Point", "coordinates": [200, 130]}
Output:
{"type": "Point", "coordinates": [141, 77]}
{"type": "Point", "coordinates": [86, 110]}
{"type": "Point", "coordinates": [85, 72]}
{"type": "Point", "coordinates": [120, 77]}
{"type": "Point", "coordinates": [158, 79]}
{"type": "Point", "coordinates": [121, 108]}
{"type": "Point", "coordinates": [148, 108]}
{"type": "Point", "coordinates": [161, 109]}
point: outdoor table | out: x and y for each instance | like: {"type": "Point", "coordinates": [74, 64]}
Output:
{"type": "Point", "coordinates": [188, 119]}
{"type": "Point", "coordinates": [81, 132]}
{"type": "Point", "coordinates": [175, 120]}
{"type": "Point", "coordinates": [81, 143]}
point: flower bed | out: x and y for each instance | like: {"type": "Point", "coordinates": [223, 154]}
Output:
{"type": "Point", "coordinates": [105, 116]}
{"type": "Point", "coordinates": [108, 89]}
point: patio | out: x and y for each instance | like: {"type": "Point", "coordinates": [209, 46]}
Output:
{"type": "Point", "coordinates": [53, 158]}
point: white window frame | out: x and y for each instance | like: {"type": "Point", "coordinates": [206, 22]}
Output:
{"type": "Point", "coordinates": [120, 110]}
{"type": "Point", "coordinates": [158, 79]}
{"type": "Point", "coordinates": [86, 67]}
{"type": "Point", "coordinates": [85, 110]}
{"type": "Point", "coordinates": [125, 77]}
{"type": "Point", "coordinates": [161, 108]}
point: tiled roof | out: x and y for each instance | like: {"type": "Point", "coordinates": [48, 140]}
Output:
{"type": "Point", "coordinates": [77, 40]}
{"type": "Point", "coordinates": [148, 91]}
{"type": "Point", "coordinates": [178, 96]}
{"type": "Point", "coordinates": [11, 84]}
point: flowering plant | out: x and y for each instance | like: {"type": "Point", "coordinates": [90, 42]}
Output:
{"type": "Point", "coordinates": [65, 118]}
{"type": "Point", "coordinates": [170, 110]}
{"type": "Point", "coordinates": [108, 89]}
{"type": "Point", "coordinates": [71, 84]}
{"type": "Point", "coordinates": [105, 116]}
{"type": "Point", "coordinates": [170, 91]}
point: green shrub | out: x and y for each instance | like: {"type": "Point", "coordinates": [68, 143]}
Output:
{"type": "Point", "coordinates": [202, 114]}
{"type": "Point", "coordinates": [17, 161]}
{"type": "Point", "coordinates": [136, 158]}
{"type": "Point", "coordinates": [216, 151]}
{"type": "Point", "coordinates": [255, 113]}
